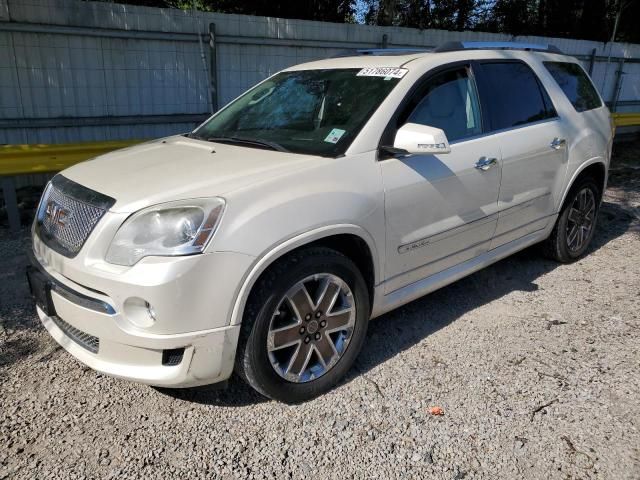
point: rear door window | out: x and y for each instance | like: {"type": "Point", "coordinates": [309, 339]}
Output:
{"type": "Point", "coordinates": [512, 94]}
{"type": "Point", "coordinates": [575, 84]}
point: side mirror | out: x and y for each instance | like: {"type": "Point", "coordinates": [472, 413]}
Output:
{"type": "Point", "coordinates": [420, 139]}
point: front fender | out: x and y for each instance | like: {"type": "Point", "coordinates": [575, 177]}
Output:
{"type": "Point", "coordinates": [328, 197]}
{"type": "Point", "coordinates": [277, 251]}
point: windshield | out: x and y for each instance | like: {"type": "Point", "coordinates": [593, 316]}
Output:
{"type": "Point", "coordinates": [316, 112]}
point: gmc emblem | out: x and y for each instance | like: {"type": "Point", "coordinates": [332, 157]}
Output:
{"type": "Point", "coordinates": [56, 214]}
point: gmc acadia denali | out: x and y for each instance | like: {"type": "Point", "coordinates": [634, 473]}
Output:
{"type": "Point", "coordinates": [330, 193]}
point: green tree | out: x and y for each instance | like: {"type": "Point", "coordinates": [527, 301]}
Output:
{"type": "Point", "coordinates": [583, 19]}
{"type": "Point", "coordinates": [340, 11]}
{"type": "Point", "coordinates": [443, 14]}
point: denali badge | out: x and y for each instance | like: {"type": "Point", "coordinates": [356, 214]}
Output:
{"type": "Point", "coordinates": [56, 214]}
{"type": "Point", "coordinates": [412, 246]}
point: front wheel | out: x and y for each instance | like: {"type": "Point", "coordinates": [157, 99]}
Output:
{"type": "Point", "coordinates": [304, 325]}
{"type": "Point", "coordinates": [576, 224]}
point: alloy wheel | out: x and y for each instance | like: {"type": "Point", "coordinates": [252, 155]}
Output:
{"type": "Point", "coordinates": [311, 328]}
{"type": "Point", "coordinates": [581, 219]}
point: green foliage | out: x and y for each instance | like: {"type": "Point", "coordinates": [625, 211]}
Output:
{"type": "Point", "coordinates": [341, 11]}
{"type": "Point", "coordinates": [584, 19]}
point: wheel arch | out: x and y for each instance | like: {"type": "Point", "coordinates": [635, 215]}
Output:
{"type": "Point", "coordinates": [596, 168]}
{"type": "Point", "coordinates": [351, 240]}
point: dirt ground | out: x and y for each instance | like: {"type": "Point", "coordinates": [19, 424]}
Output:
{"type": "Point", "coordinates": [535, 364]}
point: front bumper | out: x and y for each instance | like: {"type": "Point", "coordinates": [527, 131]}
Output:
{"type": "Point", "coordinates": [95, 328]}
{"type": "Point", "coordinates": [208, 356]}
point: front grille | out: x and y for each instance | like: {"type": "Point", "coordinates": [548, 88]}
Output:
{"type": "Point", "coordinates": [68, 213]}
{"type": "Point", "coordinates": [86, 341]}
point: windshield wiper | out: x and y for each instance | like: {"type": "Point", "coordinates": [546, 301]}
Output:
{"type": "Point", "coordinates": [193, 135]}
{"type": "Point", "coordinates": [249, 141]}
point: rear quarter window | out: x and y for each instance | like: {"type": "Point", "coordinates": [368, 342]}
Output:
{"type": "Point", "coordinates": [575, 84]}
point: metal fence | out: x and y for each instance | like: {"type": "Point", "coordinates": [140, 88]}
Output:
{"type": "Point", "coordinates": [74, 71]}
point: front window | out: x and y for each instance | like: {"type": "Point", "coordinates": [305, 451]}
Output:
{"type": "Point", "coordinates": [451, 104]}
{"type": "Point", "coordinates": [315, 112]}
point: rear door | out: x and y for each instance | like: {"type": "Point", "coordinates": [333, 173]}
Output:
{"type": "Point", "coordinates": [532, 141]}
{"type": "Point", "coordinates": [441, 209]}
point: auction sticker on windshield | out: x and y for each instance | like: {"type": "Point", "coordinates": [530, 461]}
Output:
{"type": "Point", "coordinates": [334, 135]}
{"type": "Point", "coordinates": [390, 72]}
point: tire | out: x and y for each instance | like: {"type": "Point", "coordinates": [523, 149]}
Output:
{"type": "Point", "coordinates": [277, 305]}
{"type": "Point", "coordinates": [558, 245]}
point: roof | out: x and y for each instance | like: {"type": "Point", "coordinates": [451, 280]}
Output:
{"type": "Point", "coordinates": [409, 60]}
{"type": "Point", "coordinates": [358, 61]}
{"type": "Point", "coordinates": [394, 57]}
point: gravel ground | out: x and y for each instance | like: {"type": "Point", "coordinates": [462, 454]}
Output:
{"type": "Point", "coordinates": [534, 364]}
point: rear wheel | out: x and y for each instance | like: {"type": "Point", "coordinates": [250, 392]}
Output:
{"type": "Point", "coordinates": [304, 325]}
{"type": "Point", "coordinates": [575, 226]}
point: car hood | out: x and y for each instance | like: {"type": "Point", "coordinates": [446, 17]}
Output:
{"type": "Point", "coordinates": [178, 167]}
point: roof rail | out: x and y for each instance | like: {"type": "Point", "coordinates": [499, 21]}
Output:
{"type": "Point", "coordinates": [454, 46]}
{"type": "Point", "coordinates": [383, 51]}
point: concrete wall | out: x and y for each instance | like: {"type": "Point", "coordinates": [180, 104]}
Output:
{"type": "Point", "coordinates": [75, 71]}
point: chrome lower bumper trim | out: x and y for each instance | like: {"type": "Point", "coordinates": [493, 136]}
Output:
{"type": "Point", "coordinates": [78, 298]}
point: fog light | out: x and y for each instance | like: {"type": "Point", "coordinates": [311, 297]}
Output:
{"type": "Point", "coordinates": [139, 312]}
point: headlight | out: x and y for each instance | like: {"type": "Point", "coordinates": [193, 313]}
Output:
{"type": "Point", "coordinates": [168, 229]}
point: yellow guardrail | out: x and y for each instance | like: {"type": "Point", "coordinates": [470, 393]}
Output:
{"type": "Point", "coordinates": [24, 159]}
{"type": "Point", "coordinates": [626, 119]}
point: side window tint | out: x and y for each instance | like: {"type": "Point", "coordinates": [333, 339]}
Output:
{"type": "Point", "coordinates": [575, 84]}
{"type": "Point", "coordinates": [449, 102]}
{"type": "Point", "coordinates": [513, 95]}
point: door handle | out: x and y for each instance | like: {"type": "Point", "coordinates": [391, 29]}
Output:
{"type": "Point", "coordinates": [485, 163]}
{"type": "Point", "coordinates": [558, 143]}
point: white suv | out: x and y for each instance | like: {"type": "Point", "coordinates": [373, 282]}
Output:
{"type": "Point", "coordinates": [328, 194]}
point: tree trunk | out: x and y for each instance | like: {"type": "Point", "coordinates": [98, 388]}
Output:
{"type": "Point", "coordinates": [386, 12]}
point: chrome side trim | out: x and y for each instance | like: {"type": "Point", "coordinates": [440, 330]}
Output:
{"type": "Point", "coordinates": [504, 130]}
{"type": "Point", "coordinates": [439, 259]}
{"type": "Point", "coordinates": [385, 303]}
{"type": "Point", "coordinates": [451, 232]}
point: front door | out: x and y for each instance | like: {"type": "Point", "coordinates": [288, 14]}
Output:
{"type": "Point", "coordinates": [441, 210]}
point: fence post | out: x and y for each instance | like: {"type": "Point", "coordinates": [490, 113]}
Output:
{"type": "Point", "coordinates": [592, 61]}
{"type": "Point", "coordinates": [213, 67]}
{"type": "Point", "coordinates": [618, 85]}
{"type": "Point", "coordinates": [385, 40]}
{"type": "Point", "coordinates": [11, 203]}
